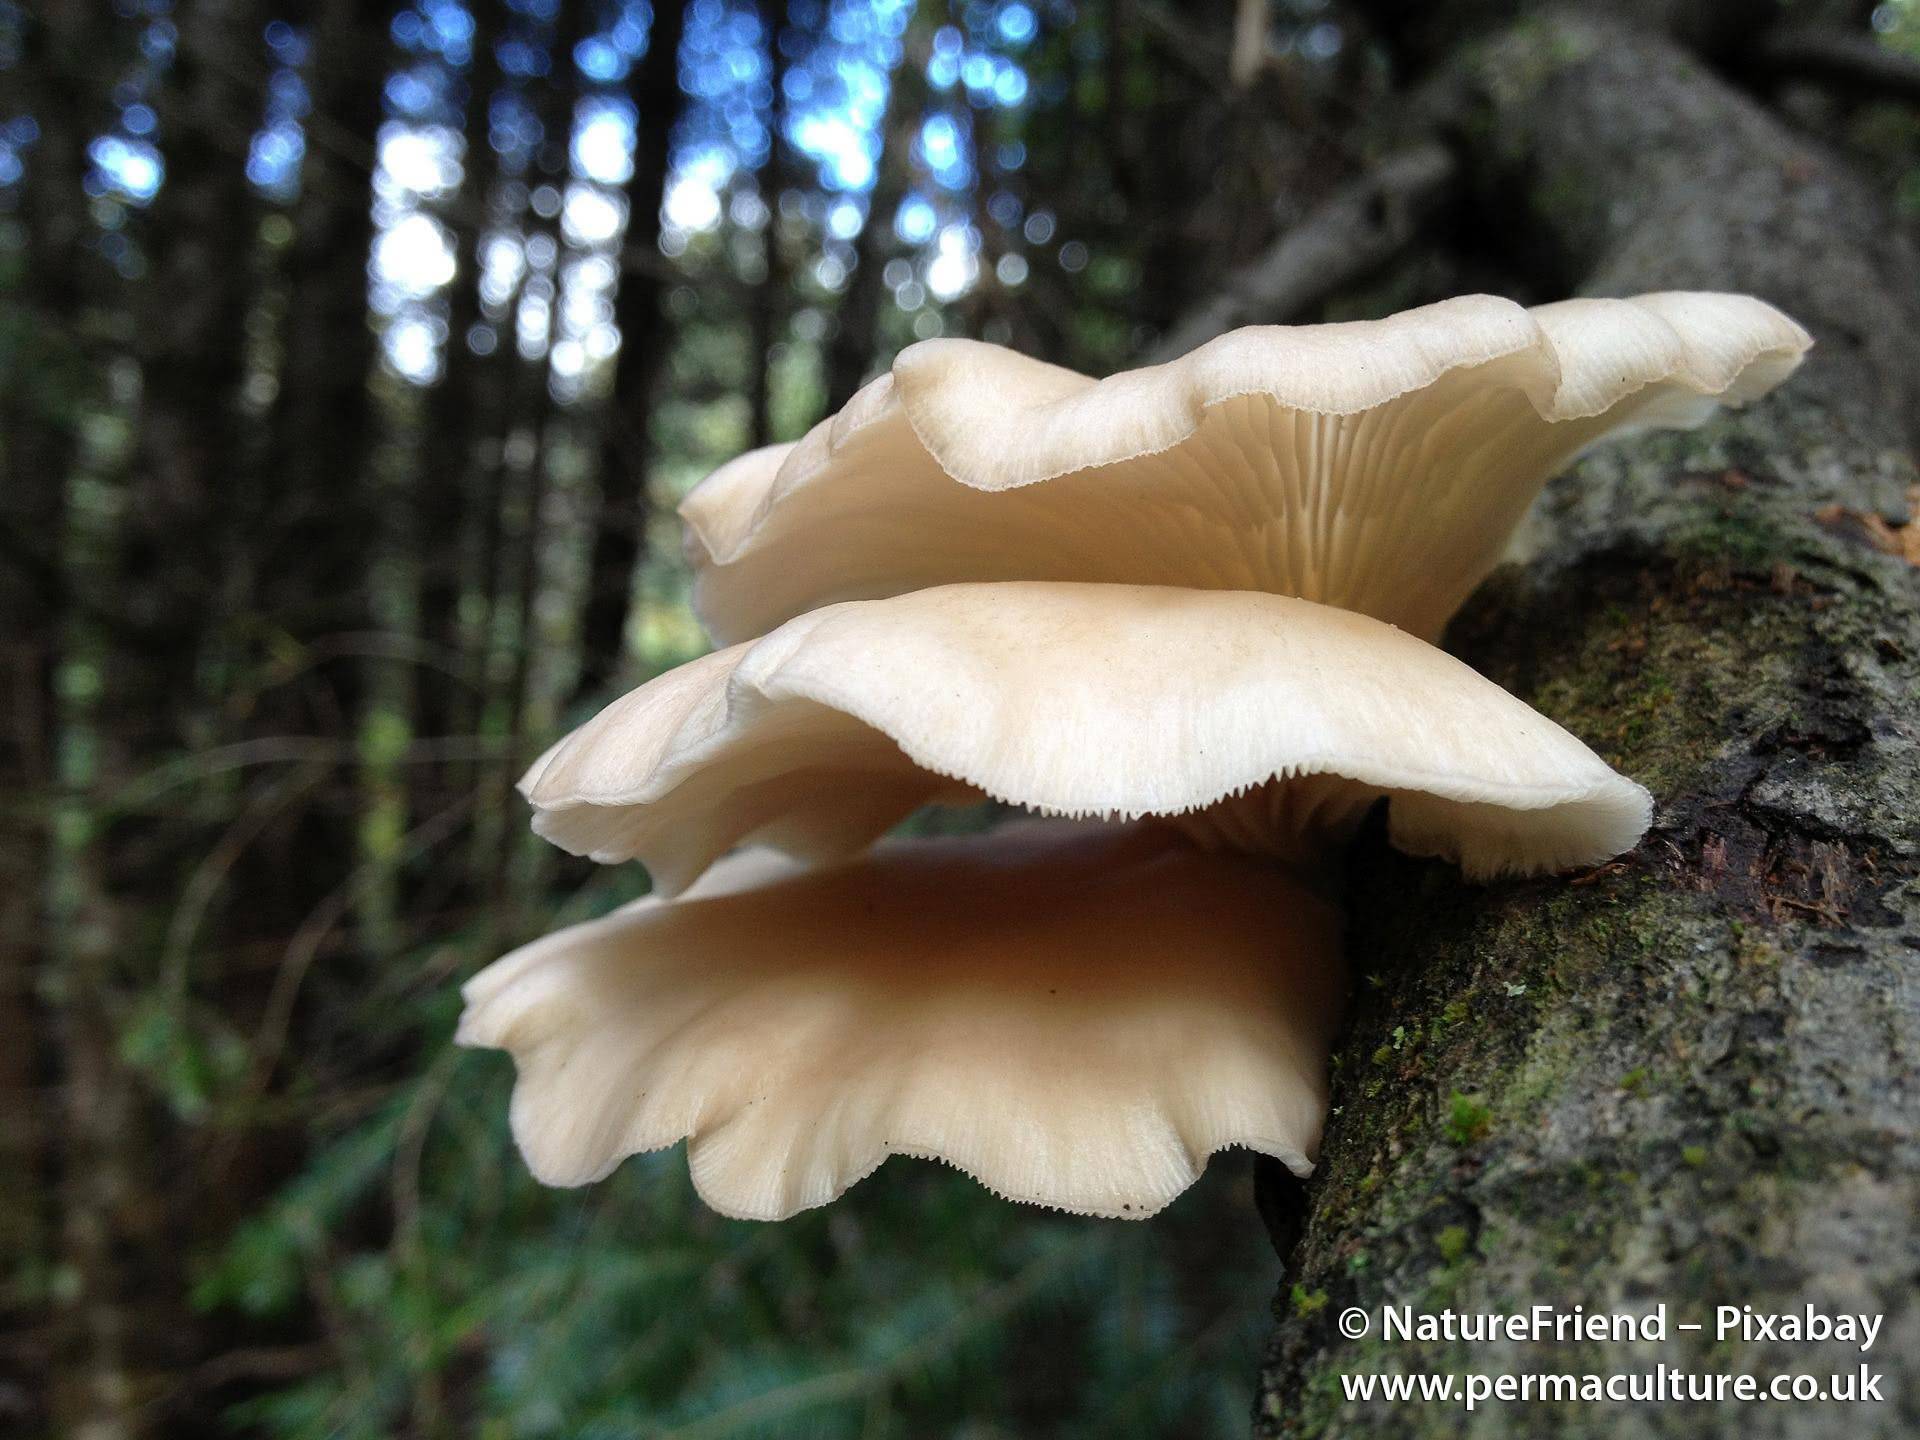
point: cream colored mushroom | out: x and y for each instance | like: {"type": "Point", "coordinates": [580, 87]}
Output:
{"type": "Point", "coordinates": [1252, 721]}
{"type": "Point", "coordinates": [1378, 466]}
{"type": "Point", "coordinates": [1076, 1015]}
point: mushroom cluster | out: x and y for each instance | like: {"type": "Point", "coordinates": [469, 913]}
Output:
{"type": "Point", "coordinates": [1185, 614]}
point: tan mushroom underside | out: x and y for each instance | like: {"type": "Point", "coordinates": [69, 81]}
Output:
{"type": "Point", "coordinates": [1075, 1015]}
{"type": "Point", "coordinates": [1379, 466]}
{"type": "Point", "coordinates": [1083, 700]}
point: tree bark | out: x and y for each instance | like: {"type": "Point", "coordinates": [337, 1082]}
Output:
{"type": "Point", "coordinates": [1686, 1078]}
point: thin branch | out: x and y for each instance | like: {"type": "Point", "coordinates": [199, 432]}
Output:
{"type": "Point", "coordinates": [1354, 232]}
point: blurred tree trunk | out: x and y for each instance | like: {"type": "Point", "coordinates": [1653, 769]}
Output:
{"type": "Point", "coordinates": [54, 1052]}
{"type": "Point", "coordinates": [449, 484]}
{"type": "Point", "coordinates": [1688, 1077]}
{"type": "Point", "coordinates": [322, 426]}
{"type": "Point", "coordinates": [767, 317]}
{"type": "Point", "coordinates": [856, 337]}
{"type": "Point", "coordinates": [495, 377]}
{"type": "Point", "coordinates": [127, 1231]}
{"type": "Point", "coordinates": [537, 416]}
{"type": "Point", "coordinates": [200, 239]}
{"type": "Point", "coordinates": [626, 452]}
{"type": "Point", "coordinates": [315, 508]}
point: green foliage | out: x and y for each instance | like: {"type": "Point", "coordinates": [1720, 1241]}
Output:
{"type": "Point", "coordinates": [186, 1063]}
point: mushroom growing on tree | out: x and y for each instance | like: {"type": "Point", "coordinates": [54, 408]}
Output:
{"type": "Point", "coordinates": [1076, 1011]}
{"type": "Point", "coordinates": [1077, 1018]}
{"type": "Point", "coordinates": [1076, 1015]}
{"type": "Point", "coordinates": [1376, 465]}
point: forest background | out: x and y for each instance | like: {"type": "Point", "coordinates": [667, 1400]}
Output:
{"type": "Point", "coordinates": [353, 356]}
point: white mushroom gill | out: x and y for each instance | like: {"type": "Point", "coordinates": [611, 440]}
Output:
{"type": "Point", "coordinates": [1378, 466]}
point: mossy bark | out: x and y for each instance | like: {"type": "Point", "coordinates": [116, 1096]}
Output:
{"type": "Point", "coordinates": [1691, 1077]}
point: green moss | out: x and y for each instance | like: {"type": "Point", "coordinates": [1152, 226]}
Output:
{"type": "Point", "coordinates": [1469, 1119]}
{"type": "Point", "coordinates": [1307, 1302]}
{"type": "Point", "coordinates": [1737, 537]}
{"type": "Point", "coordinates": [1644, 709]}
{"type": "Point", "coordinates": [1452, 1243]}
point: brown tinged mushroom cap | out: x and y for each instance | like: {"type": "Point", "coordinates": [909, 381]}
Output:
{"type": "Point", "coordinates": [1262, 722]}
{"type": "Point", "coordinates": [1378, 466]}
{"type": "Point", "coordinates": [1075, 1015]}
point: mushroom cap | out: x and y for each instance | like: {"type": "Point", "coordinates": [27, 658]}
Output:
{"type": "Point", "coordinates": [1077, 1016]}
{"type": "Point", "coordinates": [1376, 465]}
{"type": "Point", "coordinates": [1112, 701]}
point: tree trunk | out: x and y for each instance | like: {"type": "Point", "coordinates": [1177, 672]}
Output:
{"type": "Point", "coordinates": [322, 426]}
{"type": "Point", "coordinates": [767, 304]}
{"type": "Point", "coordinates": [1688, 1077]}
{"type": "Point", "coordinates": [65, 1356]}
{"type": "Point", "coordinates": [626, 451]}
{"type": "Point", "coordinates": [315, 508]}
{"type": "Point", "coordinates": [447, 484]}
{"type": "Point", "coordinates": [537, 415]}
{"type": "Point", "coordinates": [191, 346]}
{"type": "Point", "coordinates": [850, 352]}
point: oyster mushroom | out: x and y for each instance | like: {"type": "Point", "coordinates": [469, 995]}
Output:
{"type": "Point", "coordinates": [1377, 466]}
{"type": "Point", "coordinates": [1077, 1016]}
